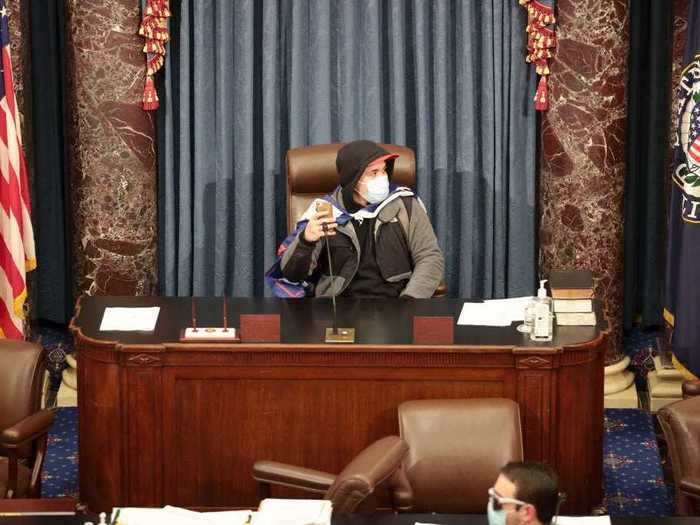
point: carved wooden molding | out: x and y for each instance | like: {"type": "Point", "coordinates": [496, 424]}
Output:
{"type": "Point", "coordinates": [369, 359]}
{"type": "Point", "coordinates": [534, 361]}
{"type": "Point", "coordinates": [143, 360]}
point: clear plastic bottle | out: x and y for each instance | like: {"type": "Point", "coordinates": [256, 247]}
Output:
{"type": "Point", "coordinates": [528, 318]}
{"type": "Point", "coordinates": [543, 322]}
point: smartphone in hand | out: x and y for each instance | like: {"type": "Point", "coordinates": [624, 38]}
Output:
{"type": "Point", "coordinates": [324, 207]}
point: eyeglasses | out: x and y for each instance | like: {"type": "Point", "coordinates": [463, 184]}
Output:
{"type": "Point", "coordinates": [498, 501]}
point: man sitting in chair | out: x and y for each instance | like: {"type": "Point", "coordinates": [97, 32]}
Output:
{"type": "Point", "coordinates": [381, 241]}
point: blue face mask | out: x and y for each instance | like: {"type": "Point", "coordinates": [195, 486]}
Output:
{"type": "Point", "coordinates": [496, 517]}
{"type": "Point", "coordinates": [377, 189]}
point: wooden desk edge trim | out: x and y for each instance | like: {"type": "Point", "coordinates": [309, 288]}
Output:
{"type": "Point", "coordinates": [78, 332]}
{"type": "Point", "coordinates": [338, 348]}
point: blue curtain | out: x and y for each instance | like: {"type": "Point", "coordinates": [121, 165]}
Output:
{"type": "Point", "coordinates": [246, 80]}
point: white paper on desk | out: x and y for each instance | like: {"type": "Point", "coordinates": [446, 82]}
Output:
{"type": "Point", "coordinates": [129, 319]}
{"type": "Point", "coordinates": [494, 312]}
{"type": "Point", "coordinates": [151, 516]}
{"type": "Point", "coordinates": [224, 517]}
{"type": "Point", "coordinates": [293, 512]}
{"type": "Point", "coordinates": [582, 520]}
{"type": "Point", "coordinates": [178, 516]}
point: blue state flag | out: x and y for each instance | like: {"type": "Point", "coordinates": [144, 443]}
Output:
{"type": "Point", "coordinates": [682, 297]}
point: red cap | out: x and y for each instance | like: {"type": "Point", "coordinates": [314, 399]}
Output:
{"type": "Point", "coordinates": [381, 159]}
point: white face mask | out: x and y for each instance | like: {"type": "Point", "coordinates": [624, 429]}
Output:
{"type": "Point", "coordinates": [495, 517]}
{"type": "Point", "coordinates": [377, 189]}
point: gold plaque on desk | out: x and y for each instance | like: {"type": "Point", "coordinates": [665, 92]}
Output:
{"type": "Point", "coordinates": [340, 335]}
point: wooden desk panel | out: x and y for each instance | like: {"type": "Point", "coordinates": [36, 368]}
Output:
{"type": "Point", "coordinates": [171, 423]}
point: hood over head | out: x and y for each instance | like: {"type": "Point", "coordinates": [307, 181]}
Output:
{"type": "Point", "coordinates": [353, 159]}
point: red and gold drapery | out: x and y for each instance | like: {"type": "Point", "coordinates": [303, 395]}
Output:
{"type": "Point", "coordinates": [541, 43]}
{"type": "Point", "coordinates": [154, 29]}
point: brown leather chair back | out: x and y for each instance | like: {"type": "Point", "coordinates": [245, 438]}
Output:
{"type": "Point", "coordinates": [365, 473]}
{"type": "Point", "coordinates": [690, 388]}
{"type": "Point", "coordinates": [456, 450]}
{"type": "Point", "coordinates": [21, 368]}
{"type": "Point", "coordinates": [311, 173]}
{"type": "Point", "coordinates": [680, 423]}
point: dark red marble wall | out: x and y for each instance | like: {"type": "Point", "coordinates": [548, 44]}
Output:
{"type": "Point", "coordinates": [583, 149]}
{"type": "Point", "coordinates": [112, 150]}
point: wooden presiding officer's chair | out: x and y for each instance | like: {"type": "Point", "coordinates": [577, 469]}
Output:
{"type": "Point", "coordinates": [312, 173]}
{"type": "Point", "coordinates": [23, 425]}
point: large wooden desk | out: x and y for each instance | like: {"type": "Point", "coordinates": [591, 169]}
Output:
{"type": "Point", "coordinates": [168, 423]}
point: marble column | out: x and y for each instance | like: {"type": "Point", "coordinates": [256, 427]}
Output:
{"type": "Point", "coordinates": [583, 151]}
{"type": "Point", "coordinates": [113, 171]}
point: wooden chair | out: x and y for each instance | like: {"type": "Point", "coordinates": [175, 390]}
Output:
{"type": "Point", "coordinates": [23, 425]}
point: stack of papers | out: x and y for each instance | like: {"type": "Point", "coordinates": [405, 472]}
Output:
{"type": "Point", "coordinates": [177, 516]}
{"type": "Point", "coordinates": [495, 312]}
{"type": "Point", "coordinates": [270, 512]}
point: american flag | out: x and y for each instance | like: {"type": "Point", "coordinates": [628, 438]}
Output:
{"type": "Point", "coordinates": [694, 135]}
{"type": "Point", "coordinates": [17, 237]}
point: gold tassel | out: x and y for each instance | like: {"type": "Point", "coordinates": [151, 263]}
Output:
{"type": "Point", "coordinates": [542, 97]}
{"type": "Point", "coordinates": [150, 97]}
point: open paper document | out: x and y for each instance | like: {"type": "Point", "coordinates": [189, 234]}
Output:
{"type": "Point", "coordinates": [129, 319]}
{"type": "Point", "coordinates": [495, 312]}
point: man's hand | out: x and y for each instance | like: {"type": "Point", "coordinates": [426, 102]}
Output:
{"type": "Point", "coordinates": [320, 225]}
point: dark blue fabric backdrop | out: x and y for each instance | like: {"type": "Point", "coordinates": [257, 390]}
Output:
{"type": "Point", "coordinates": [682, 293]}
{"type": "Point", "coordinates": [247, 80]}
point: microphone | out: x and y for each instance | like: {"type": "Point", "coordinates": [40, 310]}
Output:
{"type": "Point", "coordinates": [194, 315]}
{"type": "Point", "coordinates": [334, 334]}
{"type": "Point", "coordinates": [330, 272]}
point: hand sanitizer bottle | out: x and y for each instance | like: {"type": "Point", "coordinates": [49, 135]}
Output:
{"type": "Point", "coordinates": [543, 322]}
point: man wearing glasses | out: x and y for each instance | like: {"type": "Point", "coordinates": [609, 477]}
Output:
{"type": "Point", "coordinates": [524, 493]}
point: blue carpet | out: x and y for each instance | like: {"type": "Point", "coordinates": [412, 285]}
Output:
{"type": "Point", "coordinates": [60, 475]}
{"type": "Point", "coordinates": [632, 475]}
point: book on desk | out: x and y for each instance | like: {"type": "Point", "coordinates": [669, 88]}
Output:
{"type": "Point", "coordinates": [572, 297]}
